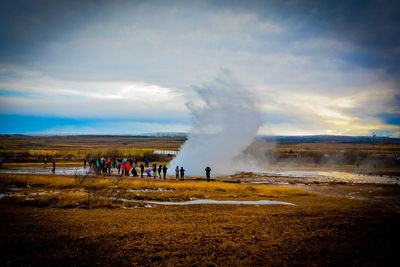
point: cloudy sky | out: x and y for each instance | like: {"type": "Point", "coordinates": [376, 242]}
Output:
{"type": "Point", "coordinates": [128, 67]}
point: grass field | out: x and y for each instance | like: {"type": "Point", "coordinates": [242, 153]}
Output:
{"type": "Point", "coordinates": [97, 192]}
{"type": "Point", "coordinates": [29, 149]}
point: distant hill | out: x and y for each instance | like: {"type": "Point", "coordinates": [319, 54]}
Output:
{"type": "Point", "coordinates": [166, 134]}
{"type": "Point", "coordinates": [329, 139]}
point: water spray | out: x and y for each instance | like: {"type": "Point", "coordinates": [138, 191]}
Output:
{"type": "Point", "coordinates": [223, 125]}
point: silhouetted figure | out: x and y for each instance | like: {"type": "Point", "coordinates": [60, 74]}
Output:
{"type": "Point", "coordinates": [54, 165]}
{"type": "Point", "coordinates": [141, 170]}
{"type": "Point", "coordinates": [134, 172]}
{"type": "Point", "coordinates": [109, 166]}
{"type": "Point", "coordinates": [92, 163]}
{"type": "Point", "coordinates": [136, 163]}
{"type": "Point", "coordinates": [182, 173]}
{"type": "Point", "coordinates": [44, 162]}
{"type": "Point", "coordinates": [159, 170]}
{"type": "Point", "coordinates": [177, 172]}
{"type": "Point", "coordinates": [84, 163]}
{"type": "Point", "coordinates": [147, 162]}
{"type": "Point", "coordinates": [164, 169]}
{"type": "Point", "coordinates": [208, 170]}
{"type": "Point", "coordinates": [155, 170]}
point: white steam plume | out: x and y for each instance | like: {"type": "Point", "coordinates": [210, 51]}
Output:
{"type": "Point", "coordinates": [223, 126]}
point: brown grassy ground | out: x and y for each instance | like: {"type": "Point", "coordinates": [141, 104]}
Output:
{"type": "Point", "coordinates": [75, 148]}
{"type": "Point", "coordinates": [317, 231]}
{"type": "Point", "coordinates": [89, 142]}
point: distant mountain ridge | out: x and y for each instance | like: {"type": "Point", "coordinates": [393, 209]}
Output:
{"type": "Point", "coordinates": [330, 139]}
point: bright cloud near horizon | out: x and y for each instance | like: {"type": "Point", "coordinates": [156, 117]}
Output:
{"type": "Point", "coordinates": [128, 67]}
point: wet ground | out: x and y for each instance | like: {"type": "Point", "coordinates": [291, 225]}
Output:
{"type": "Point", "coordinates": [271, 176]}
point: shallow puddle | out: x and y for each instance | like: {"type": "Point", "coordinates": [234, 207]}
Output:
{"type": "Point", "coordinates": [222, 202]}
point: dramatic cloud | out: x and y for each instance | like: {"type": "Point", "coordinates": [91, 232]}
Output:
{"type": "Point", "coordinates": [328, 67]}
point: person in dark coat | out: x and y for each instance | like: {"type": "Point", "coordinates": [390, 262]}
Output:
{"type": "Point", "coordinates": [141, 170]}
{"type": "Point", "coordinates": [134, 172]}
{"type": "Point", "coordinates": [109, 166]}
{"type": "Point", "coordinates": [208, 170]}
{"type": "Point", "coordinates": [182, 173]}
{"type": "Point", "coordinates": [165, 171]}
{"type": "Point", "coordinates": [159, 170]}
{"type": "Point", "coordinates": [155, 170]}
{"type": "Point", "coordinates": [54, 165]}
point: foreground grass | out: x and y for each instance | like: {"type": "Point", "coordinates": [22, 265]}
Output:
{"type": "Point", "coordinates": [318, 231]}
{"type": "Point", "coordinates": [97, 192]}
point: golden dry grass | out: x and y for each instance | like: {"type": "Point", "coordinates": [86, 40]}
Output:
{"type": "Point", "coordinates": [99, 192]}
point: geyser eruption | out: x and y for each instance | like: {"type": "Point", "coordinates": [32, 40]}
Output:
{"type": "Point", "coordinates": [222, 126]}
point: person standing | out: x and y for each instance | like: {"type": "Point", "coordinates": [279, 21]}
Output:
{"type": "Point", "coordinates": [122, 168]}
{"type": "Point", "coordinates": [54, 165]}
{"type": "Point", "coordinates": [127, 168]}
{"type": "Point", "coordinates": [155, 170]}
{"type": "Point", "coordinates": [148, 173]}
{"type": "Point", "coordinates": [134, 172]}
{"type": "Point", "coordinates": [44, 162]}
{"type": "Point", "coordinates": [208, 170]}
{"type": "Point", "coordinates": [136, 163]}
{"type": "Point", "coordinates": [141, 170]}
{"type": "Point", "coordinates": [177, 172]}
{"type": "Point", "coordinates": [159, 170]}
{"type": "Point", "coordinates": [165, 171]}
{"type": "Point", "coordinates": [109, 166]}
{"type": "Point", "coordinates": [182, 173]}
{"type": "Point", "coordinates": [118, 167]}
{"type": "Point", "coordinates": [84, 163]}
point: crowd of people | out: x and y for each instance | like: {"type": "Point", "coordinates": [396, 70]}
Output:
{"type": "Point", "coordinates": [128, 167]}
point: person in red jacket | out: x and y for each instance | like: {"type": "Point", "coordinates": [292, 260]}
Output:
{"type": "Point", "coordinates": [122, 168]}
{"type": "Point", "coordinates": [127, 168]}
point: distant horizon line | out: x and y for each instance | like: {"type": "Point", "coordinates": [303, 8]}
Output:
{"type": "Point", "coordinates": [182, 134]}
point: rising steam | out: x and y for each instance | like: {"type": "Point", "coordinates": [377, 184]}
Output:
{"type": "Point", "coordinates": [222, 126]}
